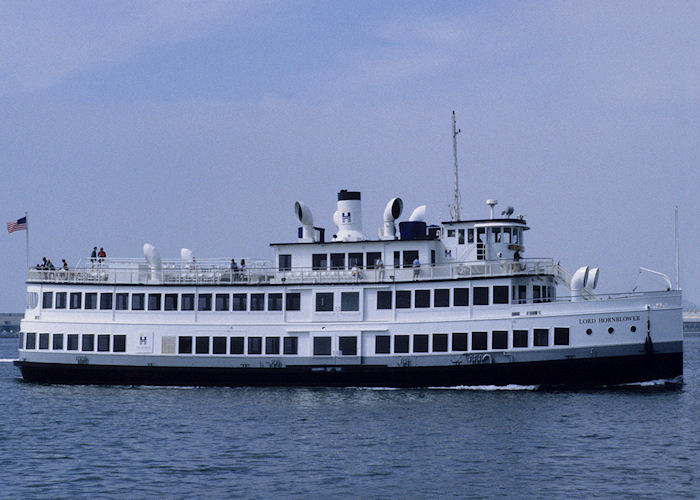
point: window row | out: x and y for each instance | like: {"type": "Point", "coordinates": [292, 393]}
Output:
{"type": "Point", "coordinates": [405, 299]}
{"type": "Point", "coordinates": [460, 342]}
{"type": "Point", "coordinates": [73, 342]}
{"type": "Point", "coordinates": [173, 301]}
{"type": "Point", "coordinates": [347, 345]}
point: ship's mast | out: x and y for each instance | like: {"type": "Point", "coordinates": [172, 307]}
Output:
{"type": "Point", "coordinates": [455, 204]}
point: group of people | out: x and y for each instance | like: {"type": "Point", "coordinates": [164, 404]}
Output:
{"type": "Point", "coordinates": [237, 271]}
{"type": "Point", "coordinates": [47, 265]}
{"type": "Point", "coordinates": [97, 256]}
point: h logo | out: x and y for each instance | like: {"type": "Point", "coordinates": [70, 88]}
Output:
{"type": "Point", "coordinates": [346, 217]}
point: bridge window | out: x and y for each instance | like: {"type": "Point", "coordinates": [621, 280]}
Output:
{"type": "Point", "coordinates": [285, 261]}
{"type": "Point", "coordinates": [337, 261]}
{"type": "Point", "coordinates": [470, 235]}
{"type": "Point", "coordinates": [451, 233]}
{"type": "Point", "coordinates": [355, 259]}
{"type": "Point", "coordinates": [319, 261]}
{"type": "Point", "coordinates": [372, 258]}
{"type": "Point", "coordinates": [408, 257]}
{"type": "Point", "coordinates": [460, 237]}
{"type": "Point", "coordinates": [47, 300]}
{"type": "Point", "coordinates": [479, 341]}
{"type": "Point", "coordinates": [420, 343]}
{"type": "Point", "coordinates": [347, 346]}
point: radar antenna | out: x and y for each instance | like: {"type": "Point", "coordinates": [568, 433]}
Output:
{"type": "Point", "coordinates": [455, 204]}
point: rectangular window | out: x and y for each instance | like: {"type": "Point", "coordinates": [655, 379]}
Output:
{"type": "Point", "coordinates": [204, 302]}
{"type": "Point", "coordinates": [43, 341]}
{"type": "Point", "coordinates": [119, 343]}
{"type": "Point", "coordinates": [322, 346]}
{"type": "Point", "coordinates": [90, 300]}
{"type": "Point", "coordinates": [218, 345]}
{"type": "Point", "coordinates": [382, 344]}
{"type": "Point", "coordinates": [240, 302]}
{"type": "Point", "coordinates": [324, 301]}
{"type": "Point", "coordinates": [274, 301]}
{"type": "Point", "coordinates": [103, 343]}
{"type": "Point", "coordinates": [441, 297]}
{"type": "Point", "coordinates": [439, 342]}
{"type": "Point", "coordinates": [519, 294]}
{"type": "Point", "coordinates": [20, 344]}
{"type": "Point", "coordinates": [319, 261]}
{"type": "Point", "coordinates": [60, 300]}
{"type": "Point", "coordinates": [519, 338]}
{"type": "Point", "coordinates": [541, 337]}
{"type": "Point", "coordinates": [88, 342]}
{"type": "Point", "coordinates": [481, 295]}
{"type": "Point", "coordinates": [536, 294]}
{"type": "Point", "coordinates": [137, 301]}
{"type": "Point", "coordinates": [420, 343]}
{"type": "Point", "coordinates": [401, 344]}
{"type": "Point", "coordinates": [451, 233]}
{"type": "Point", "coordinates": [500, 294]}
{"type": "Point", "coordinates": [72, 342]}
{"type": "Point", "coordinates": [254, 345]}
{"type": "Point", "coordinates": [237, 344]}
{"type": "Point", "coordinates": [106, 301]}
{"type": "Point", "coordinates": [349, 301]}
{"type": "Point", "coordinates": [459, 342]}
{"type": "Point", "coordinates": [355, 259]}
{"type": "Point", "coordinates": [57, 342]}
{"type": "Point", "coordinates": [470, 235]}
{"type": "Point", "coordinates": [257, 301]}
{"type": "Point", "coordinates": [561, 336]}
{"type": "Point", "coordinates": [222, 300]}
{"type": "Point", "coordinates": [154, 302]}
{"type": "Point", "coordinates": [460, 237]}
{"type": "Point", "coordinates": [397, 260]}
{"type": "Point", "coordinates": [499, 339]}
{"type": "Point", "coordinates": [201, 345]}
{"type": "Point", "coordinates": [187, 302]}
{"type": "Point", "coordinates": [372, 258]}
{"type": "Point", "coordinates": [337, 261]}
{"type": "Point", "coordinates": [47, 300]}
{"type": "Point", "coordinates": [272, 345]}
{"type": "Point", "coordinates": [384, 299]}
{"type": "Point", "coordinates": [408, 257]}
{"type": "Point", "coordinates": [285, 262]}
{"type": "Point", "coordinates": [403, 299]}
{"type": "Point", "coordinates": [347, 346]}
{"type": "Point", "coordinates": [122, 301]}
{"type": "Point", "coordinates": [422, 298]}
{"type": "Point", "coordinates": [31, 340]}
{"type": "Point", "coordinates": [291, 345]}
{"type": "Point", "coordinates": [170, 302]}
{"type": "Point", "coordinates": [479, 341]}
{"type": "Point", "coordinates": [184, 345]}
{"type": "Point", "coordinates": [461, 296]}
{"type": "Point", "coordinates": [76, 300]}
{"type": "Point", "coordinates": [293, 301]}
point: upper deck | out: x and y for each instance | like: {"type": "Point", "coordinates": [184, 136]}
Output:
{"type": "Point", "coordinates": [219, 272]}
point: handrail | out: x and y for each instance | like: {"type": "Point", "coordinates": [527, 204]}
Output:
{"type": "Point", "coordinates": [218, 271]}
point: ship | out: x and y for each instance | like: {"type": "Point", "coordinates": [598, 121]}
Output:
{"type": "Point", "coordinates": [453, 303]}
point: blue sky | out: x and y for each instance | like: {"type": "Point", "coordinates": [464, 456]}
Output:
{"type": "Point", "coordinates": [198, 124]}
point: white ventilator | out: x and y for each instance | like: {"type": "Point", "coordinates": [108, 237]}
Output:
{"type": "Point", "coordinates": [392, 211]}
{"type": "Point", "coordinates": [348, 216]}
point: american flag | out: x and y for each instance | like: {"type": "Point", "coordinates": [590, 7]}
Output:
{"type": "Point", "coordinates": [18, 225]}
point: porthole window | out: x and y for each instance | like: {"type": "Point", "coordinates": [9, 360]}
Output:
{"type": "Point", "coordinates": [589, 331]}
{"type": "Point", "coordinates": [611, 330]}
{"type": "Point", "coordinates": [633, 328]}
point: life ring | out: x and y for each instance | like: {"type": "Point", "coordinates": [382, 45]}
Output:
{"type": "Point", "coordinates": [486, 359]}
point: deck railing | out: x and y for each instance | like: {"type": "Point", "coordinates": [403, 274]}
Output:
{"type": "Point", "coordinates": [123, 271]}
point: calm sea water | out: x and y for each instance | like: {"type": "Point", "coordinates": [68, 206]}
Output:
{"type": "Point", "coordinates": [108, 442]}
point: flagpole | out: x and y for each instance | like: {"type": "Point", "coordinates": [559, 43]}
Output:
{"type": "Point", "coordinates": [26, 217]}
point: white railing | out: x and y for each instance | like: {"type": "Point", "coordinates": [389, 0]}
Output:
{"type": "Point", "coordinates": [124, 271]}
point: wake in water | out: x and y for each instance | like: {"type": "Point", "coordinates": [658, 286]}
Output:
{"type": "Point", "coordinates": [8, 360]}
